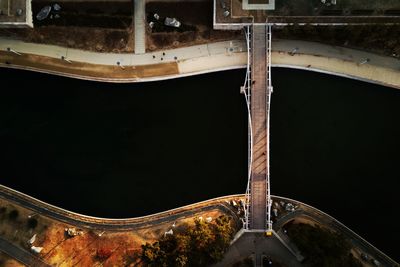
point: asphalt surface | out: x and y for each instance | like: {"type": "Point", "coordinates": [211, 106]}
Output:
{"type": "Point", "coordinates": [20, 254]}
{"type": "Point", "coordinates": [258, 246]}
{"type": "Point", "coordinates": [83, 221]}
{"type": "Point", "coordinates": [94, 223]}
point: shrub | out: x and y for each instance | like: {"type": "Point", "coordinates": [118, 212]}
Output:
{"type": "Point", "coordinates": [32, 223]}
{"type": "Point", "coordinates": [103, 253]}
{"type": "Point", "coordinates": [202, 244]}
{"type": "Point", "coordinates": [13, 215]}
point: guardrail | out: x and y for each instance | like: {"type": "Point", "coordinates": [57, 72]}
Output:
{"type": "Point", "coordinates": [138, 222]}
{"type": "Point", "coordinates": [116, 224]}
{"type": "Point", "coordinates": [379, 254]}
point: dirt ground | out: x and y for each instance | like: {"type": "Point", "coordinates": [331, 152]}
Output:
{"type": "Point", "coordinates": [108, 26]}
{"type": "Point", "coordinates": [92, 39]}
{"type": "Point", "coordinates": [14, 224]}
{"type": "Point", "coordinates": [110, 15]}
{"type": "Point", "coordinates": [381, 39]}
{"type": "Point", "coordinates": [188, 14]}
{"type": "Point", "coordinates": [95, 26]}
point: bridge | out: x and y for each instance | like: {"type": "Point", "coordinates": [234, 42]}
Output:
{"type": "Point", "coordinates": [257, 89]}
{"type": "Point", "coordinates": [256, 18]}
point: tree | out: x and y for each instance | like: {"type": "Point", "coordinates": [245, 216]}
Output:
{"type": "Point", "coordinates": [32, 223]}
{"type": "Point", "coordinates": [200, 245]}
{"type": "Point", "coordinates": [13, 215]}
{"type": "Point", "coordinates": [322, 247]}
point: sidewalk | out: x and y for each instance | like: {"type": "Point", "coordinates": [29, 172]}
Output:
{"type": "Point", "coordinates": [209, 58]}
{"type": "Point", "coordinates": [140, 28]}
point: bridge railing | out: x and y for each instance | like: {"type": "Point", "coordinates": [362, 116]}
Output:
{"type": "Point", "coordinates": [247, 93]}
{"type": "Point", "coordinates": [268, 103]}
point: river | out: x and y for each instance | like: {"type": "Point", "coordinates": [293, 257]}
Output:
{"type": "Point", "coordinates": [125, 150]}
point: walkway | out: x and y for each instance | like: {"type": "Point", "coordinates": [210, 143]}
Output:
{"type": "Point", "coordinates": [172, 215]}
{"type": "Point", "coordinates": [257, 246]}
{"type": "Point", "coordinates": [89, 222]}
{"type": "Point", "coordinates": [258, 106]}
{"type": "Point", "coordinates": [140, 26]}
{"type": "Point", "coordinates": [214, 57]}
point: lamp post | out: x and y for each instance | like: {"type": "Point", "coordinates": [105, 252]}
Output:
{"type": "Point", "coordinates": [13, 51]}
{"type": "Point", "coordinates": [119, 64]}
{"type": "Point", "coordinates": [364, 61]}
{"type": "Point", "coordinates": [65, 59]}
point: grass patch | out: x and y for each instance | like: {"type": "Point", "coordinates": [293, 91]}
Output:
{"type": "Point", "coordinates": [322, 247]}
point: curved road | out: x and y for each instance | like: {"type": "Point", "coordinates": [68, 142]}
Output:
{"type": "Point", "coordinates": [221, 204]}
{"type": "Point", "coordinates": [89, 222]}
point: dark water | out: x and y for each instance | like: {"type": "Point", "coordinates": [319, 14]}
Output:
{"type": "Point", "coordinates": [122, 150]}
{"type": "Point", "coordinates": [134, 149]}
{"type": "Point", "coordinates": [335, 145]}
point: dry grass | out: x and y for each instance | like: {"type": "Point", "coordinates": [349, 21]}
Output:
{"type": "Point", "coordinates": [188, 14]}
{"type": "Point", "coordinates": [110, 249]}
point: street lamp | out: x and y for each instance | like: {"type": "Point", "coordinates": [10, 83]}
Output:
{"type": "Point", "coordinates": [293, 51]}
{"type": "Point", "coordinates": [364, 61]}
{"type": "Point", "coordinates": [119, 64]}
{"type": "Point", "coordinates": [13, 51]}
{"type": "Point", "coordinates": [65, 59]}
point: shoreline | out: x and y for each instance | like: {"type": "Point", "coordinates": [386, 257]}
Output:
{"type": "Point", "coordinates": [220, 59]}
{"type": "Point", "coordinates": [221, 203]}
{"type": "Point", "coordinates": [196, 60]}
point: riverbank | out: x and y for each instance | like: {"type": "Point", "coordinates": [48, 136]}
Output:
{"type": "Point", "coordinates": [196, 60]}
{"type": "Point", "coordinates": [99, 234]}
{"type": "Point", "coordinates": [120, 238]}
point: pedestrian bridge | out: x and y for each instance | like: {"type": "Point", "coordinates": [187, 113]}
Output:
{"type": "Point", "coordinates": [257, 89]}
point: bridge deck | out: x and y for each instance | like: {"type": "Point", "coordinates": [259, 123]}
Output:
{"type": "Point", "coordinates": [259, 116]}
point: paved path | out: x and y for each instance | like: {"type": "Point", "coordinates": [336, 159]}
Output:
{"type": "Point", "coordinates": [330, 51]}
{"type": "Point", "coordinates": [76, 55]}
{"type": "Point", "coordinates": [172, 215]}
{"type": "Point", "coordinates": [140, 26]}
{"type": "Point", "coordinates": [20, 254]}
{"type": "Point", "coordinates": [257, 245]}
{"type": "Point", "coordinates": [337, 60]}
{"type": "Point", "coordinates": [215, 56]}
{"type": "Point", "coordinates": [89, 222]}
{"type": "Point", "coordinates": [258, 106]}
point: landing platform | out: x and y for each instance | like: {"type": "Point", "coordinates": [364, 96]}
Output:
{"type": "Point", "coordinates": [258, 247]}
